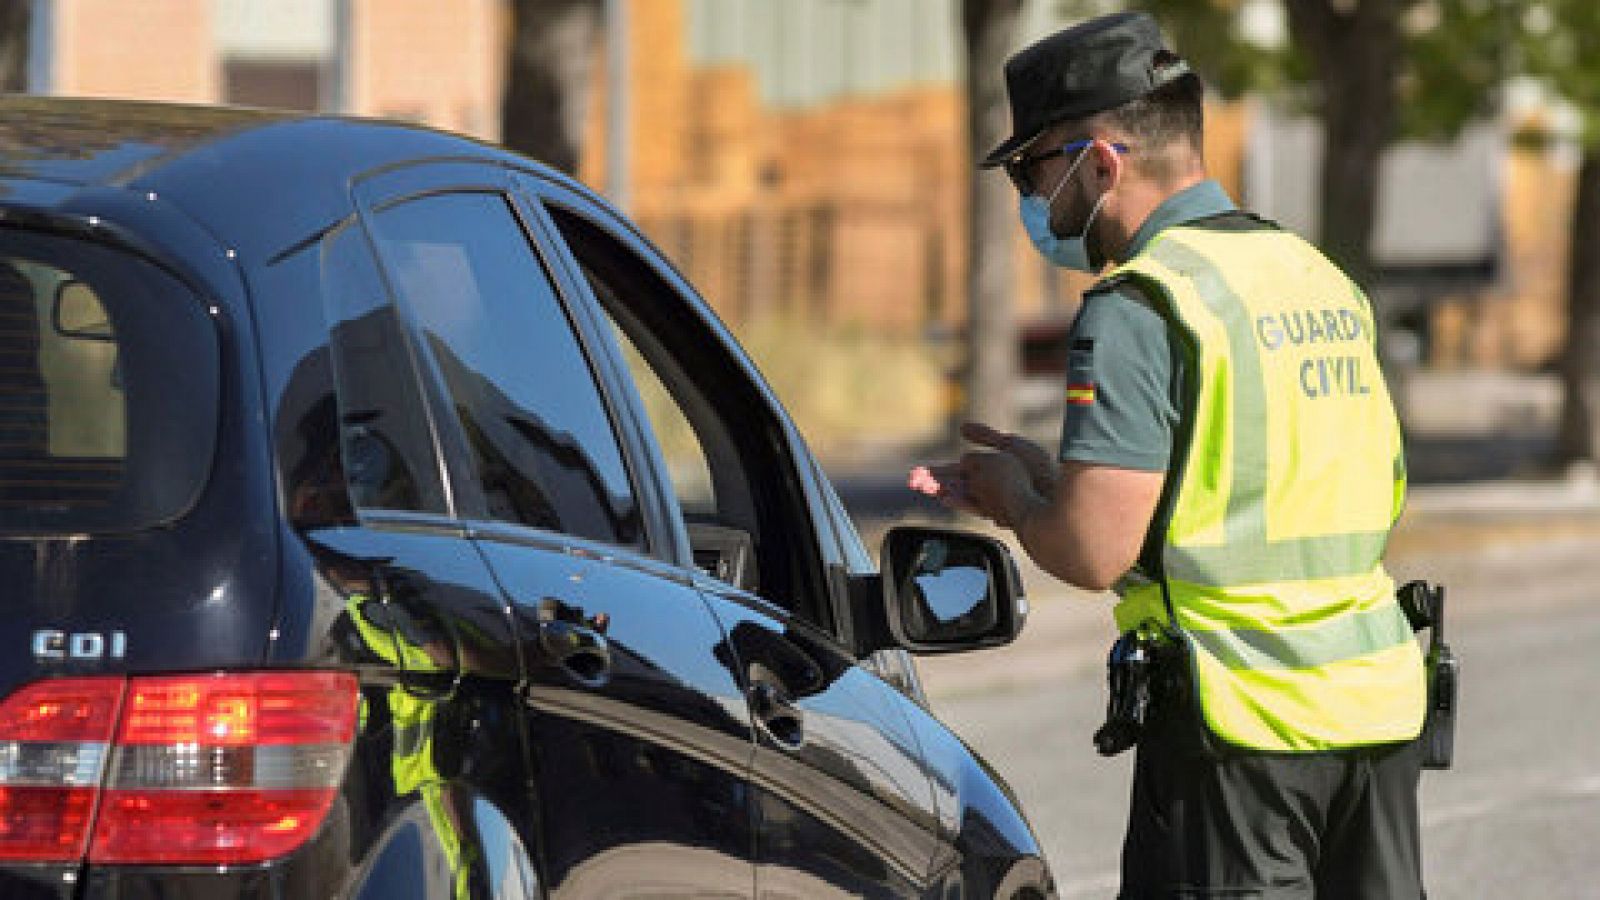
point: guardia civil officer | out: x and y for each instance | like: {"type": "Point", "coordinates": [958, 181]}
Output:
{"type": "Point", "coordinates": [1231, 465]}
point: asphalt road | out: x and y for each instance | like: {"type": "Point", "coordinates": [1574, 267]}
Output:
{"type": "Point", "coordinates": [1518, 816]}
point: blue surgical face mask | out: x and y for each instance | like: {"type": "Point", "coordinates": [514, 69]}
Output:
{"type": "Point", "coordinates": [1071, 253]}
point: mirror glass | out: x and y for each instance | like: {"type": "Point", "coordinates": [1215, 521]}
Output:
{"type": "Point", "coordinates": [78, 313]}
{"type": "Point", "coordinates": [946, 590]}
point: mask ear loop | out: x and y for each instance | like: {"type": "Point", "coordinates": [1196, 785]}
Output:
{"type": "Point", "coordinates": [1089, 222]}
{"type": "Point", "coordinates": [1050, 200]}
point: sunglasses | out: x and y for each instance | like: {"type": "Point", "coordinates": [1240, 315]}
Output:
{"type": "Point", "coordinates": [1019, 168]}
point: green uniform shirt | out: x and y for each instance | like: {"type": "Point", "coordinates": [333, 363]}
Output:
{"type": "Point", "coordinates": [1125, 373]}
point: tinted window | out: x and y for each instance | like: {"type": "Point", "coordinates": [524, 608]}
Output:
{"type": "Point", "coordinates": [385, 441]}
{"type": "Point", "coordinates": [349, 425]}
{"type": "Point", "coordinates": [108, 389]}
{"type": "Point", "coordinates": [543, 447]}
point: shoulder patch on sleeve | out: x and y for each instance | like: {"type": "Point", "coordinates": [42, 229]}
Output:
{"type": "Point", "coordinates": [1081, 354]}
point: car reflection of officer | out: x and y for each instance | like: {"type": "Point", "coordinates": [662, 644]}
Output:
{"type": "Point", "coordinates": [413, 716]}
{"type": "Point", "coordinates": [1230, 463]}
{"type": "Point", "coordinates": [385, 632]}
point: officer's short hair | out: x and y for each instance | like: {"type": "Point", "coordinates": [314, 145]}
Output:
{"type": "Point", "coordinates": [1163, 123]}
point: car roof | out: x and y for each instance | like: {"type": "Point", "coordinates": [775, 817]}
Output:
{"type": "Point", "coordinates": [87, 141]}
{"type": "Point", "coordinates": [258, 180]}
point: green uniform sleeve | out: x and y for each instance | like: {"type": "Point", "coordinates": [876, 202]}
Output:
{"type": "Point", "coordinates": [1123, 384]}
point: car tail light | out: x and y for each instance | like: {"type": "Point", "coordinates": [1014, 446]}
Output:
{"type": "Point", "coordinates": [198, 769]}
{"type": "Point", "coordinates": [54, 736]}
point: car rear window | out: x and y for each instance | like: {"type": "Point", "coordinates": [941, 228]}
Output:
{"type": "Point", "coordinates": [108, 389]}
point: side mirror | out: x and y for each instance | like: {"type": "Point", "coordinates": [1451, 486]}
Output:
{"type": "Point", "coordinates": [77, 313]}
{"type": "Point", "coordinates": [945, 591]}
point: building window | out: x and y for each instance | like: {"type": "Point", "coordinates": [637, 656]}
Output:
{"type": "Point", "coordinates": [278, 84]}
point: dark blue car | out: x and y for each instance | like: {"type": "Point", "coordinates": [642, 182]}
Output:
{"type": "Point", "coordinates": [381, 516]}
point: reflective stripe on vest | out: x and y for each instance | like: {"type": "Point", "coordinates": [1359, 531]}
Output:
{"type": "Point", "coordinates": [1290, 483]}
{"type": "Point", "coordinates": [411, 717]}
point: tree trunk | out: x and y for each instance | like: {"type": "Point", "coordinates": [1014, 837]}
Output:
{"type": "Point", "coordinates": [15, 22]}
{"type": "Point", "coordinates": [549, 70]}
{"type": "Point", "coordinates": [988, 27]}
{"type": "Point", "coordinates": [1355, 47]}
{"type": "Point", "coordinates": [1577, 440]}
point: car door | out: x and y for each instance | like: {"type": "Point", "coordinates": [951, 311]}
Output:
{"type": "Point", "coordinates": [377, 572]}
{"type": "Point", "coordinates": [842, 803]}
{"type": "Point", "coordinates": [639, 737]}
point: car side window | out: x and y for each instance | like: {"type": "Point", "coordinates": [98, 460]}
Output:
{"type": "Point", "coordinates": [542, 444]}
{"type": "Point", "coordinates": [736, 484]}
{"type": "Point", "coordinates": [385, 446]}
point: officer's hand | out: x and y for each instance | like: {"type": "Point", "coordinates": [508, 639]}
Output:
{"type": "Point", "coordinates": [998, 487]}
{"type": "Point", "coordinates": [1041, 469]}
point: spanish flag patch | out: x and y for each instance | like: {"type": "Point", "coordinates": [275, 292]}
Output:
{"type": "Point", "coordinates": [1080, 393]}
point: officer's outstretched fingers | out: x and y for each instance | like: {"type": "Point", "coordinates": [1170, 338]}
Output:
{"type": "Point", "coordinates": [979, 433]}
{"type": "Point", "coordinates": [1041, 468]}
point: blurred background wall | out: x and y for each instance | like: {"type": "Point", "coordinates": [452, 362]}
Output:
{"type": "Point", "coordinates": [803, 161]}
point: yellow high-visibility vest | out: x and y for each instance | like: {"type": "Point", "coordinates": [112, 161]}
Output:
{"type": "Point", "coordinates": [1291, 478]}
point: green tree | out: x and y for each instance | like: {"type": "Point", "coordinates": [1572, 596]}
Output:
{"type": "Point", "coordinates": [989, 30]}
{"type": "Point", "coordinates": [1355, 54]}
{"type": "Point", "coordinates": [1561, 39]}
{"type": "Point", "coordinates": [1369, 70]}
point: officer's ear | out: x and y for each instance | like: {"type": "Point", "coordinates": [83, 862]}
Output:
{"type": "Point", "coordinates": [1108, 163]}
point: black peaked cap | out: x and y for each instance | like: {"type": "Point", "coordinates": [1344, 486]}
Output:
{"type": "Point", "coordinates": [1089, 68]}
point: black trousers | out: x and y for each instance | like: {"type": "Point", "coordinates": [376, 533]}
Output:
{"type": "Point", "coordinates": [1232, 824]}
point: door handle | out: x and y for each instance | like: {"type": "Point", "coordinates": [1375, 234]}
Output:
{"type": "Point", "coordinates": [575, 644]}
{"type": "Point", "coordinates": [777, 713]}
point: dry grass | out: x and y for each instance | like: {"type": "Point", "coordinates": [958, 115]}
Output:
{"type": "Point", "coordinates": [847, 389]}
